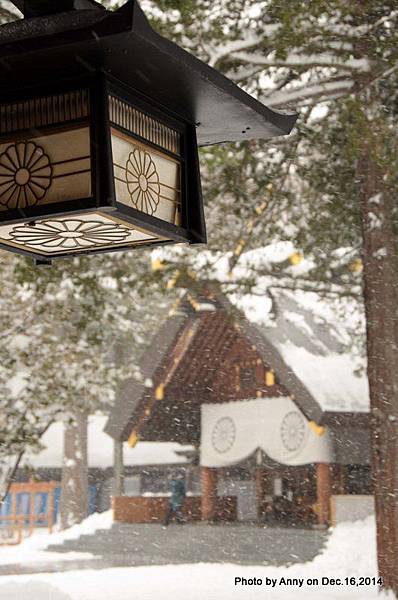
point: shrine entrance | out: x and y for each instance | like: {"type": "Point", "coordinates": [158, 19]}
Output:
{"type": "Point", "coordinates": [278, 496]}
{"type": "Point", "coordinates": [265, 452]}
{"type": "Point", "coordinates": [287, 496]}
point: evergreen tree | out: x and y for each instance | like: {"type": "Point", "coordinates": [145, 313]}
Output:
{"type": "Point", "coordinates": [333, 183]}
{"type": "Point", "coordinates": [64, 332]}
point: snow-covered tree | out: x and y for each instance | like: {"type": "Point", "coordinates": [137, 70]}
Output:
{"type": "Point", "coordinates": [335, 62]}
{"type": "Point", "coordinates": [62, 330]}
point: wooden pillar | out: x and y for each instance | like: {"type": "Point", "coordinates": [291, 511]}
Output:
{"type": "Point", "coordinates": [209, 493]}
{"type": "Point", "coordinates": [260, 491]}
{"type": "Point", "coordinates": [323, 487]}
{"type": "Point", "coordinates": [32, 507]}
{"type": "Point", "coordinates": [13, 493]}
{"type": "Point", "coordinates": [50, 508]}
{"type": "Point", "coordinates": [118, 469]}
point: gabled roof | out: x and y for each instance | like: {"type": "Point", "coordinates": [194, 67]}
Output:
{"type": "Point", "coordinates": [313, 342]}
{"type": "Point", "coordinates": [270, 354]}
{"type": "Point", "coordinates": [133, 391]}
{"type": "Point", "coordinates": [270, 344]}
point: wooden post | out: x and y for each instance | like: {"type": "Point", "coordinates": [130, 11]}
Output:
{"type": "Point", "coordinates": [260, 489]}
{"type": "Point", "coordinates": [13, 494]}
{"type": "Point", "coordinates": [32, 507]}
{"type": "Point", "coordinates": [323, 483]}
{"type": "Point", "coordinates": [50, 508]}
{"type": "Point", "coordinates": [209, 493]}
{"type": "Point", "coordinates": [118, 468]}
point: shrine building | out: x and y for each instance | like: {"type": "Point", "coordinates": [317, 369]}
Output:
{"type": "Point", "coordinates": [277, 419]}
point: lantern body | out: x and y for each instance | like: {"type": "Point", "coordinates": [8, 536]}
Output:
{"type": "Point", "coordinates": [99, 117]}
{"type": "Point", "coordinates": [93, 169]}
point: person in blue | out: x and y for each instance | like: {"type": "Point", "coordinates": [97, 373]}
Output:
{"type": "Point", "coordinates": [178, 493]}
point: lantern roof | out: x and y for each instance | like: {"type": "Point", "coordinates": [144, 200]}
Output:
{"type": "Point", "coordinates": [71, 38]}
{"type": "Point", "coordinates": [40, 8]}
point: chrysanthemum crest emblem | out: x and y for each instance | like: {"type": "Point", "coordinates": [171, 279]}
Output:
{"type": "Point", "coordinates": [69, 234]}
{"type": "Point", "coordinates": [143, 181]}
{"type": "Point", "coordinates": [25, 175]}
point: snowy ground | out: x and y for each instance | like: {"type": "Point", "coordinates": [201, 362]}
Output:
{"type": "Point", "coordinates": [350, 552]}
{"type": "Point", "coordinates": [33, 548]}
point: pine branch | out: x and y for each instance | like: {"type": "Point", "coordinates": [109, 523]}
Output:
{"type": "Point", "coordinates": [293, 284]}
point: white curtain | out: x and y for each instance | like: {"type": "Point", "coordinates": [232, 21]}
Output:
{"type": "Point", "coordinates": [234, 430]}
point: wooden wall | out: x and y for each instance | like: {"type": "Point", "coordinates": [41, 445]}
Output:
{"type": "Point", "coordinates": [131, 509]}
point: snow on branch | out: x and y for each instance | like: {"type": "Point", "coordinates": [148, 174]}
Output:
{"type": "Point", "coordinates": [386, 19]}
{"type": "Point", "coordinates": [244, 73]}
{"type": "Point", "coordinates": [7, 15]}
{"type": "Point", "coordinates": [302, 60]}
{"type": "Point", "coordinates": [331, 89]}
{"type": "Point", "coordinates": [345, 29]}
{"type": "Point", "coordinates": [226, 49]}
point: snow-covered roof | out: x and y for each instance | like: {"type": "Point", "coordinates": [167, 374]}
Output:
{"type": "Point", "coordinates": [100, 449]}
{"type": "Point", "coordinates": [331, 380]}
{"type": "Point", "coordinates": [314, 341]}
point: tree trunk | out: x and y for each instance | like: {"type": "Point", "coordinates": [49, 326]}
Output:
{"type": "Point", "coordinates": [381, 303]}
{"type": "Point", "coordinates": [74, 487]}
{"type": "Point", "coordinates": [118, 469]}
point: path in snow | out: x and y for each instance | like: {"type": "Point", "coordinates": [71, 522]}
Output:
{"type": "Point", "coordinates": [150, 544]}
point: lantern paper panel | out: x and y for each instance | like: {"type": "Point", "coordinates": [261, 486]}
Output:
{"type": "Point", "coordinates": [146, 162]}
{"type": "Point", "coordinates": [73, 235]}
{"type": "Point", "coordinates": [45, 169]}
{"type": "Point", "coordinates": [45, 153]}
{"type": "Point", "coordinates": [146, 180]}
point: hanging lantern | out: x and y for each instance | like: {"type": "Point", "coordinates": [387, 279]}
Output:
{"type": "Point", "coordinates": [100, 123]}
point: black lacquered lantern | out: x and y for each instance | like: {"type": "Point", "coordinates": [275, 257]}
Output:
{"type": "Point", "coordinates": [100, 122]}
